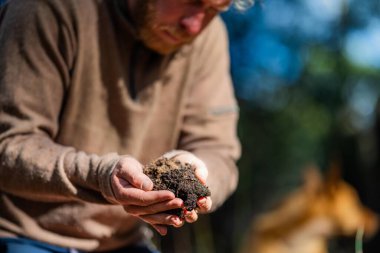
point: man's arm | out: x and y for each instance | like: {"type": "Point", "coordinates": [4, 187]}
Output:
{"type": "Point", "coordinates": [209, 129]}
{"type": "Point", "coordinates": [37, 51]}
{"type": "Point", "coordinates": [36, 54]}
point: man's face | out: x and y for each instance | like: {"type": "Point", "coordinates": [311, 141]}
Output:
{"type": "Point", "coordinates": [166, 25]}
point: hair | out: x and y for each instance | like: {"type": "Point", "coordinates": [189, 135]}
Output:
{"type": "Point", "coordinates": [242, 5]}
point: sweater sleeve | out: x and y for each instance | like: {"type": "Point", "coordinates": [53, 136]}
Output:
{"type": "Point", "coordinates": [37, 48]}
{"type": "Point", "coordinates": [211, 114]}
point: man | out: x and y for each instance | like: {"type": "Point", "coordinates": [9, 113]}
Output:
{"type": "Point", "coordinates": [92, 90]}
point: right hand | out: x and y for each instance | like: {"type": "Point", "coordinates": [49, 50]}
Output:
{"type": "Point", "coordinates": [133, 189]}
{"type": "Point", "coordinates": [203, 204]}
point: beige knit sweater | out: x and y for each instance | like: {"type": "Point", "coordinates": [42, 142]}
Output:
{"type": "Point", "coordinates": [77, 89]}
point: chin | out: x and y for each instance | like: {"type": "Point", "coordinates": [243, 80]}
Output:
{"type": "Point", "coordinates": [163, 49]}
{"type": "Point", "coordinates": [153, 41]}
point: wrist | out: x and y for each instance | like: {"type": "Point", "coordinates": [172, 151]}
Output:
{"type": "Point", "coordinates": [105, 172]}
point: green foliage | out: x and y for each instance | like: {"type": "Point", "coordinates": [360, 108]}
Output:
{"type": "Point", "coordinates": [311, 121]}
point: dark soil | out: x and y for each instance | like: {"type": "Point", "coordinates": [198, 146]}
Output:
{"type": "Point", "coordinates": [179, 178]}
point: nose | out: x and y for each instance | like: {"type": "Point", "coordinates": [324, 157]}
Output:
{"type": "Point", "coordinates": [193, 24]}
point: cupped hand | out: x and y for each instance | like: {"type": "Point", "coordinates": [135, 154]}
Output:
{"type": "Point", "coordinates": [133, 189]}
{"type": "Point", "coordinates": [204, 203]}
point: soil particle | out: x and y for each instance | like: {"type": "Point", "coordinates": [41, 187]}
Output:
{"type": "Point", "coordinates": [179, 178]}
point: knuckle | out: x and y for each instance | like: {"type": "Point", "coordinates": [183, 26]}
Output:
{"type": "Point", "coordinates": [126, 197]}
{"type": "Point", "coordinates": [150, 210]}
{"type": "Point", "coordinates": [148, 219]}
{"type": "Point", "coordinates": [142, 200]}
{"type": "Point", "coordinates": [167, 220]}
{"type": "Point", "coordinates": [126, 162]}
{"type": "Point", "coordinates": [131, 211]}
{"type": "Point", "coordinates": [172, 204]}
{"type": "Point", "coordinates": [122, 163]}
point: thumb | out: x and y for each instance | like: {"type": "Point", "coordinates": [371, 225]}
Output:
{"type": "Point", "coordinates": [201, 170]}
{"type": "Point", "coordinates": [131, 170]}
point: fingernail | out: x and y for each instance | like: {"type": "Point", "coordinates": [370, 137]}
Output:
{"type": "Point", "coordinates": [202, 201]}
{"type": "Point", "coordinates": [176, 220]}
{"type": "Point", "coordinates": [147, 185]}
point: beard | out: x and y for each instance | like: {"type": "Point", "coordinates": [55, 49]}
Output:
{"type": "Point", "coordinates": [147, 25]}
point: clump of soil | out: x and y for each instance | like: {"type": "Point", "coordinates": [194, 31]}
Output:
{"type": "Point", "coordinates": [179, 178]}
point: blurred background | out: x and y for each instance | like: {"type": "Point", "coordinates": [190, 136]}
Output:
{"type": "Point", "coordinates": [307, 77]}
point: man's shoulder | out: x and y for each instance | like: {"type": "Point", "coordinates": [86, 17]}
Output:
{"type": "Point", "coordinates": [67, 3]}
{"type": "Point", "coordinates": [56, 13]}
{"type": "Point", "coordinates": [57, 7]}
{"type": "Point", "coordinates": [213, 38]}
{"type": "Point", "coordinates": [217, 25]}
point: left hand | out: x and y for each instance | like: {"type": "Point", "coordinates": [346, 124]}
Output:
{"type": "Point", "coordinates": [204, 203]}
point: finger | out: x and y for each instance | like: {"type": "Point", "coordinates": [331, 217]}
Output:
{"type": "Point", "coordinates": [204, 204]}
{"type": "Point", "coordinates": [190, 216]}
{"type": "Point", "coordinates": [155, 208]}
{"type": "Point", "coordinates": [162, 219]}
{"type": "Point", "coordinates": [174, 153]}
{"type": "Point", "coordinates": [134, 196]}
{"type": "Point", "coordinates": [202, 174]}
{"type": "Point", "coordinates": [179, 224]}
{"type": "Point", "coordinates": [162, 230]}
{"type": "Point", "coordinates": [201, 170]}
{"type": "Point", "coordinates": [131, 170]}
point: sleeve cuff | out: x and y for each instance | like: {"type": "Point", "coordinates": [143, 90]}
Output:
{"type": "Point", "coordinates": [106, 168]}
